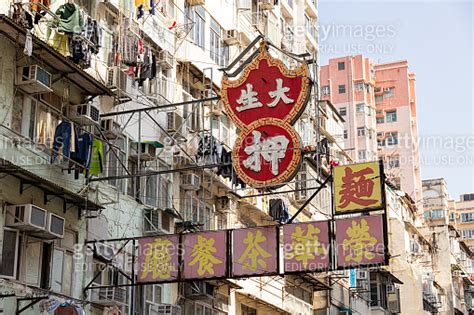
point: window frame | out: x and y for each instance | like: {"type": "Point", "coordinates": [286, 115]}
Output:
{"type": "Point", "coordinates": [342, 88]}
{"type": "Point", "coordinates": [17, 252]}
{"type": "Point", "coordinates": [391, 116]}
{"type": "Point", "coordinates": [341, 65]}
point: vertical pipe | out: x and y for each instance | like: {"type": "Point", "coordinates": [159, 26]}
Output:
{"type": "Point", "coordinates": [132, 289]}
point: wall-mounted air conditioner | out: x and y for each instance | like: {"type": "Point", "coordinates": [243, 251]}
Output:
{"type": "Point", "coordinates": [117, 79]}
{"type": "Point", "coordinates": [110, 128]}
{"type": "Point", "coordinates": [147, 151]}
{"type": "Point", "coordinates": [85, 114]}
{"type": "Point", "coordinates": [180, 161]}
{"type": "Point", "coordinates": [216, 109]}
{"type": "Point", "coordinates": [199, 290]}
{"type": "Point", "coordinates": [166, 60]}
{"type": "Point", "coordinates": [190, 182]}
{"type": "Point", "coordinates": [387, 90]}
{"type": "Point", "coordinates": [26, 217]}
{"type": "Point", "coordinates": [232, 37]}
{"type": "Point", "coordinates": [164, 309]}
{"type": "Point", "coordinates": [33, 79]}
{"type": "Point", "coordinates": [109, 296]}
{"type": "Point", "coordinates": [175, 123]}
{"type": "Point", "coordinates": [54, 227]}
{"type": "Point", "coordinates": [225, 205]}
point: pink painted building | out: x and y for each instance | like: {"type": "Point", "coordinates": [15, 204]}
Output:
{"type": "Point", "coordinates": [378, 103]}
{"type": "Point", "coordinates": [397, 127]}
{"type": "Point", "coordinates": [348, 83]}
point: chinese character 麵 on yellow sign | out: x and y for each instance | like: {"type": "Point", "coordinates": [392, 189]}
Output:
{"type": "Point", "coordinates": [357, 187]}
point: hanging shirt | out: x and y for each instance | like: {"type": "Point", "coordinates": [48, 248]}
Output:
{"type": "Point", "coordinates": [97, 158]}
{"type": "Point", "coordinates": [62, 140]}
{"type": "Point", "coordinates": [70, 19]}
{"type": "Point", "coordinates": [84, 149]}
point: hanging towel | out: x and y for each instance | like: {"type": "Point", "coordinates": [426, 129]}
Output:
{"type": "Point", "coordinates": [97, 158]}
{"type": "Point", "coordinates": [28, 44]}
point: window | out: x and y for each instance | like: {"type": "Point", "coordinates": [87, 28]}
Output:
{"type": "Point", "coordinates": [388, 92]}
{"type": "Point", "coordinates": [219, 50]}
{"type": "Point", "coordinates": [8, 267]}
{"type": "Point", "coordinates": [342, 111]}
{"type": "Point", "coordinates": [152, 296]}
{"type": "Point", "coordinates": [467, 217]}
{"type": "Point", "coordinates": [114, 157]}
{"type": "Point", "coordinates": [467, 197]}
{"type": "Point", "coordinates": [62, 265]}
{"type": "Point", "coordinates": [325, 90]}
{"type": "Point", "coordinates": [468, 233]}
{"type": "Point", "coordinates": [392, 138]}
{"type": "Point", "coordinates": [378, 291]}
{"type": "Point", "coordinates": [156, 191]}
{"type": "Point", "coordinates": [198, 211]}
{"type": "Point", "coordinates": [197, 15]}
{"type": "Point", "coordinates": [452, 216]}
{"type": "Point", "coordinates": [394, 161]}
{"type": "Point", "coordinates": [360, 107]}
{"type": "Point", "coordinates": [437, 214]}
{"type": "Point", "coordinates": [342, 89]}
{"type": "Point", "coordinates": [345, 134]}
{"type": "Point", "coordinates": [246, 310]}
{"type": "Point", "coordinates": [381, 142]}
{"type": "Point", "coordinates": [362, 154]}
{"type": "Point", "coordinates": [361, 131]}
{"type": "Point", "coordinates": [380, 120]}
{"type": "Point", "coordinates": [378, 98]}
{"type": "Point", "coordinates": [359, 86]}
{"type": "Point", "coordinates": [341, 65]}
{"type": "Point", "coordinates": [391, 116]}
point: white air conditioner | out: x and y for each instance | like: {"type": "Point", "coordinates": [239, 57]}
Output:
{"type": "Point", "coordinates": [232, 37]}
{"type": "Point", "coordinates": [54, 227]}
{"type": "Point", "coordinates": [391, 289]}
{"type": "Point", "coordinates": [33, 79]}
{"type": "Point", "coordinates": [118, 79]}
{"type": "Point", "coordinates": [110, 128]}
{"type": "Point", "coordinates": [266, 4]}
{"type": "Point", "coordinates": [105, 251]}
{"type": "Point", "coordinates": [175, 123]}
{"type": "Point", "coordinates": [147, 151]}
{"type": "Point", "coordinates": [164, 309]}
{"type": "Point", "coordinates": [199, 289]}
{"type": "Point", "coordinates": [195, 2]}
{"type": "Point", "coordinates": [225, 205]}
{"type": "Point", "coordinates": [362, 274]}
{"type": "Point", "coordinates": [26, 217]}
{"type": "Point", "coordinates": [166, 60]}
{"type": "Point", "coordinates": [109, 296]}
{"type": "Point", "coordinates": [152, 222]}
{"type": "Point", "coordinates": [85, 114]}
{"type": "Point", "coordinates": [190, 182]}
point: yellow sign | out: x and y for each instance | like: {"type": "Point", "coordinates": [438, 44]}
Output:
{"type": "Point", "coordinates": [358, 187]}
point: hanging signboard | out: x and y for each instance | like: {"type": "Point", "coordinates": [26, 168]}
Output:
{"type": "Point", "coordinates": [360, 241]}
{"type": "Point", "coordinates": [158, 258]}
{"type": "Point", "coordinates": [264, 103]}
{"type": "Point", "coordinates": [255, 251]}
{"type": "Point", "coordinates": [205, 255]}
{"type": "Point", "coordinates": [306, 246]}
{"type": "Point", "coordinates": [358, 187]}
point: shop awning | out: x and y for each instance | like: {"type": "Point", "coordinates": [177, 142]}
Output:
{"type": "Point", "coordinates": [54, 60]}
{"type": "Point", "coordinates": [49, 188]}
{"type": "Point", "coordinates": [309, 280]}
{"type": "Point", "coordinates": [253, 301]}
{"type": "Point", "coordinates": [154, 143]}
{"type": "Point", "coordinates": [387, 274]}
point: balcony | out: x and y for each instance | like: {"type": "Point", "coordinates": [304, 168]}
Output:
{"type": "Point", "coordinates": [287, 9]}
{"type": "Point", "coordinates": [312, 7]}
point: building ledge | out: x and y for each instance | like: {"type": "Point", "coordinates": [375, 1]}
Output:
{"type": "Point", "coordinates": [252, 300]}
{"type": "Point", "coordinates": [53, 59]}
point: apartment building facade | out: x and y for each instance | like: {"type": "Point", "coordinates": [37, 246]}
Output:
{"type": "Point", "coordinates": [461, 214]}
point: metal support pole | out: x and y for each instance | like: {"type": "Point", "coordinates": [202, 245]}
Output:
{"type": "Point", "coordinates": [132, 294]}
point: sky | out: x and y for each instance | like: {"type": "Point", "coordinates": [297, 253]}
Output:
{"type": "Point", "coordinates": [436, 37]}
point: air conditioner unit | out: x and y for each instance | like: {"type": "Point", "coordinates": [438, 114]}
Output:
{"type": "Point", "coordinates": [190, 182]}
{"type": "Point", "coordinates": [164, 309]}
{"type": "Point", "coordinates": [54, 227]}
{"type": "Point", "coordinates": [175, 123]}
{"type": "Point", "coordinates": [181, 161]}
{"type": "Point", "coordinates": [105, 251]}
{"type": "Point", "coordinates": [109, 296]}
{"type": "Point", "coordinates": [117, 79]}
{"type": "Point", "coordinates": [110, 128]}
{"type": "Point", "coordinates": [166, 60]}
{"type": "Point", "coordinates": [362, 274]}
{"type": "Point", "coordinates": [199, 290]}
{"type": "Point", "coordinates": [85, 114]}
{"type": "Point", "coordinates": [147, 151]}
{"type": "Point", "coordinates": [195, 2]}
{"type": "Point", "coordinates": [26, 217]}
{"type": "Point", "coordinates": [387, 90]}
{"type": "Point", "coordinates": [33, 79]}
{"type": "Point", "coordinates": [232, 37]}
{"type": "Point", "coordinates": [225, 205]}
{"type": "Point", "coordinates": [266, 4]}
{"type": "Point", "coordinates": [152, 222]}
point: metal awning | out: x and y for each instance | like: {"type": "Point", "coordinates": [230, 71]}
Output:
{"type": "Point", "coordinates": [49, 188]}
{"type": "Point", "coordinates": [309, 280]}
{"type": "Point", "coordinates": [387, 274]}
{"type": "Point", "coordinates": [251, 299]}
{"type": "Point", "coordinates": [53, 59]}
